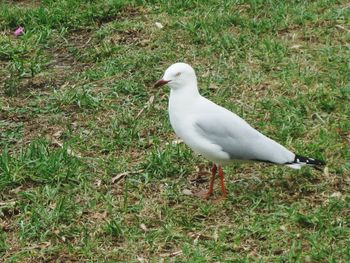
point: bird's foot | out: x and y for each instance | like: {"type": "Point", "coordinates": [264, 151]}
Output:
{"type": "Point", "coordinates": [203, 194]}
{"type": "Point", "coordinates": [220, 199]}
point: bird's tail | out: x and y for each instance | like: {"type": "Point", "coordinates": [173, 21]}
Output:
{"type": "Point", "coordinates": [300, 161]}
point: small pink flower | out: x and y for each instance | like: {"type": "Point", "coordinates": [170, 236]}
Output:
{"type": "Point", "coordinates": [19, 31]}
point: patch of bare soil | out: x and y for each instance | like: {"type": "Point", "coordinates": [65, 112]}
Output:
{"type": "Point", "coordinates": [39, 126]}
{"type": "Point", "coordinates": [64, 63]}
{"type": "Point", "coordinates": [124, 13]}
{"type": "Point", "coordinates": [129, 37]}
{"type": "Point", "coordinates": [25, 3]}
{"type": "Point", "coordinates": [305, 34]}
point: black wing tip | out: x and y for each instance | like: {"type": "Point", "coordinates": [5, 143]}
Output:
{"type": "Point", "coordinates": [307, 160]}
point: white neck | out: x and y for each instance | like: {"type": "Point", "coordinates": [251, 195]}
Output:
{"type": "Point", "coordinates": [183, 97]}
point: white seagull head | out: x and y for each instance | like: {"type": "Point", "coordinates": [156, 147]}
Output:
{"type": "Point", "coordinates": [178, 75]}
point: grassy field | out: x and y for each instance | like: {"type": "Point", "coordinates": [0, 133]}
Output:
{"type": "Point", "coordinates": [91, 171]}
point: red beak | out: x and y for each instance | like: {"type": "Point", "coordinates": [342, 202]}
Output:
{"type": "Point", "coordinates": [160, 83]}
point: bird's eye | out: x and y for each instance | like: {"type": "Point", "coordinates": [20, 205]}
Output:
{"type": "Point", "coordinates": [178, 74]}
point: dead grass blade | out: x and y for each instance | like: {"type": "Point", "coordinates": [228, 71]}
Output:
{"type": "Point", "coordinates": [120, 176]}
{"type": "Point", "coordinates": [147, 105]}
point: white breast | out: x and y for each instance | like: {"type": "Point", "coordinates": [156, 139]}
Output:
{"type": "Point", "coordinates": [183, 121]}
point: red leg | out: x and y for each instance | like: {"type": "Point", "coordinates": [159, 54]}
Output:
{"type": "Point", "coordinates": [221, 175]}
{"type": "Point", "coordinates": [212, 181]}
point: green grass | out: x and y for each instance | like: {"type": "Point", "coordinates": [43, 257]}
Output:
{"type": "Point", "coordinates": [71, 91]}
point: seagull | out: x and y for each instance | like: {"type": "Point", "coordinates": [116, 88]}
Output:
{"type": "Point", "coordinates": [217, 133]}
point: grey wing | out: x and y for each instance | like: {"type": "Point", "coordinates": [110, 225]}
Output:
{"type": "Point", "coordinates": [241, 141]}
